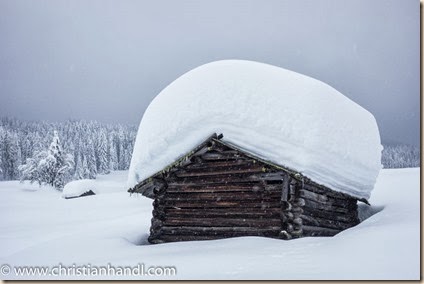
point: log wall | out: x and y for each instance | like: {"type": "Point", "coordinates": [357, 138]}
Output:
{"type": "Point", "coordinates": [219, 192]}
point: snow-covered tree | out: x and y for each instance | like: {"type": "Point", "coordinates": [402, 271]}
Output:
{"type": "Point", "coordinates": [50, 167]}
{"type": "Point", "coordinates": [10, 154]}
{"type": "Point", "coordinates": [104, 147]}
{"type": "Point", "coordinates": [102, 154]}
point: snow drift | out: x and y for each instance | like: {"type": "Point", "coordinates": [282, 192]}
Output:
{"type": "Point", "coordinates": [109, 183]}
{"type": "Point", "coordinates": [276, 114]}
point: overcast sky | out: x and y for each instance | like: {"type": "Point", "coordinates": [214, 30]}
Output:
{"type": "Point", "coordinates": [106, 60]}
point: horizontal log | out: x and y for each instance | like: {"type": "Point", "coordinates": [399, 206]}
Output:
{"type": "Point", "coordinates": [228, 155]}
{"type": "Point", "coordinates": [351, 217]}
{"type": "Point", "coordinates": [216, 204]}
{"type": "Point", "coordinates": [247, 198]}
{"type": "Point", "coordinates": [182, 238]}
{"type": "Point", "coordinates": [219, 164]}
{"type": "Point", "coordinates": [273, 214]}
{"type": "Point", "coordinates": [327, 207]}
{"type": "Point", "coordinates": [321, 222]}
{"type": "Point", "coordinates": [322, 198]}
{"type": "Point", "coordinates": [221, 222]}
{"type": "Point", "coordinates": [176, 238]}
{"type": "Point", "coordinates": [223, 194]}
{"type": "Point", "coordinates": [212, 188]}
{"type": "Point", "coordinates": [148, 187]}
{"type": "Point", "coordinates": [217, 172]}
{"type": "Point", "coordinates": [228, 178]}
{"type": "Point", "coordinates": [319, 231]}
{"type": "Point", "coordinates": [219, 210]}
{"type": "Point", "coordinates": [216, 231]}
{"type": "Point", "coordinates": [329, 192]}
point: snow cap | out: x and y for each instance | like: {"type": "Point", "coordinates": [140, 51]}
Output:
{"type": "Point", "coordinates": [279, 115]}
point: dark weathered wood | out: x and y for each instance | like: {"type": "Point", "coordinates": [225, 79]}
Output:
{"type": "Point", "coordinates": [150, 186]}
{"type": "Point", "coordinates": [176, 187]}
{"type": "Point", "coordinates": [178, 238]}
{"type": "Point", "coordinates": [218, 191]}
{"type": "Point", "coordinates": [218, 210]}
{"type": "Point", "coordinates": [326, 207]}
{"type": "Point", "coordinates": [217, 204]}
{"type": "Point", "coordinates": [205, 165]}
{"type": "Point", "coordinates": [322, 222]}
{"type": "Point", "coordinates": [224, 196]}
{"type": "Point", "coordinates": [331, 193]}
{"type": "Point", "coordinates": [87, 193]}
{"type": "Point", "coordinates": [350, 217]}
{"type": "Point", "coordinates": [322, 198]}
{"type": "Point", "coordinates": [213, 156]}
{"type": "Point", "coordinates": [221, 222]}
{"type": "Point", "coordinates": [228, 178]}
{"type": "Point", "coordinates": [223, 231]}
{"type": "Point", "coordinates": [258, 214]}
{"type": "Point", "coordinates": [319, 231]}
{"type": "Point", "coordinates": [285, 188]}
{"type": "Point", "coordinates": [216, 172]}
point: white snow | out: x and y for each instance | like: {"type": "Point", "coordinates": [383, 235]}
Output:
{"type": "Point", "coordinates": [77, 187]}
{"type": "Point", "coordinates": [279, 115]}
{"type": "Point", "coordinates": [40, 228]}
{"type": "Point", "coordinates": [112, 182]}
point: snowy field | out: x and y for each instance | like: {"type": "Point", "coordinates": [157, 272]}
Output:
{"type": "Point", "coordinates": [40, 228]}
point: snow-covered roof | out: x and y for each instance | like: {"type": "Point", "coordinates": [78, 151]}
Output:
{"type": "Point", "coordinates": [78, 187]}
{"type": "Point", "coordinates": [276, 114]}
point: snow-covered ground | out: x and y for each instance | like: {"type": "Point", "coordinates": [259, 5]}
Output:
{"type": "Point", "coordinates": [40, 228]}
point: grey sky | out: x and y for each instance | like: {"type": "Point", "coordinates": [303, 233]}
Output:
{"type": "Point", "coordinates": [106, 60]}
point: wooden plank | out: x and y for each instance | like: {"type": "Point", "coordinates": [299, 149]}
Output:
{"type": "Point", "coordinates": [148, 187]}
{"type": "Point", "coordinates": [219, 164]}
{"type": "Point", "coordinates": [216, 172]}
{"type": "Point", "coordinates": [217, 204]}
{"type": "Point", "coordinates": [322, 198]}
{"type": "Point", "coordinates": [285, 188]}
{"type": "Point", "coordinates": [221, 179]}
{"type": "Point", "coordinates": [327, 207]}
{"type": "Point", "coordinates": [221, 196]}
{"type": "Point", "coordinates": [221, 222]}
{"type": "Point", "coordinates": [272, 213]}
{"type": "Point", "coordinates": [319, 231]}
{"type": "Point", "coordinates": [326, 191]}
{"type": "Point", "coordinates": [234, 178]}
{"type": "Point", "coordinates": [228, 231]}
{"type": "Point", "coordinates": [322, 222]}
{"type": "Point", "coordinates": [352, 217]}
{"type": "Point", "coordinates": [219, 210]}
{"type": "Point", "coordinates": [176, 187]}
{"type": "Point", "coordinates": [172, 238]}
{"type": "Point", "coordinates": [230, 155]}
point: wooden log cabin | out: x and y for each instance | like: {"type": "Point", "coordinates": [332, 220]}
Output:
{"type": "Point", "coordinates": [220, 191]}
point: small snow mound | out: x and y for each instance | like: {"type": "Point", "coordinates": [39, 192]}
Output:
{"type": "Point", "coordinates": [78, 187]}
{"type": "Point", "coordinates": [279, 115]}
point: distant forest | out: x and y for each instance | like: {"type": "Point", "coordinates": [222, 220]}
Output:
{"type": "Point", "coordinates": [94, 147]}
{"type": "Point", "coordinates": [98, 148]}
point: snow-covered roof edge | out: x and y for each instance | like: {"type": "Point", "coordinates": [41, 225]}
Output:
{"type": "Point", "coordinates": [148, 192]}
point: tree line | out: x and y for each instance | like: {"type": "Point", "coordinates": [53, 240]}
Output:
{"type": "Point", "coordinates": [79, 149]}
{"type": "Point", "coordinates": [400, 156]}
{"type": "Point", "coordinates": [88, 147]}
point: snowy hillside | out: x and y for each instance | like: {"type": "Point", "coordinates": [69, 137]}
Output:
{"type": "Point", "coordinates": [279, 115]}
{"type": "Point", "coordinates": [39, 227]}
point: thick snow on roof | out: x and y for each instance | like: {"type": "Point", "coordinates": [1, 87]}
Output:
{"type": "Point", "coordinates": [279, 115]}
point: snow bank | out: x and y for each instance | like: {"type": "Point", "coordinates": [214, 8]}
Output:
{"type": "Point", "coordinates": [112, 182]}
{"type": "Point", "coordinates": [279, 115]}
{"type": "Point", "coordinates": [77, 187]}
{"type": "Point", "coordinates": [38, 228]}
